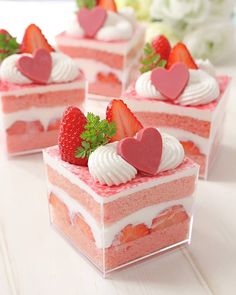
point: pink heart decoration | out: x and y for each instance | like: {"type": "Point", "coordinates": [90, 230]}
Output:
{"type": "Point", "coordinates": [172, 82]}
{"type": "Point", "coordinates": [91, 20]}
{"type": "Point", "coordinates": [38, 67]}
{"type": "Point", "coordinates": [143, 152]}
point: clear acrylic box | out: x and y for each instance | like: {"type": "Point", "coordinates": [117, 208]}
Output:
{"type": "Point", "coordinates": [116, 226]}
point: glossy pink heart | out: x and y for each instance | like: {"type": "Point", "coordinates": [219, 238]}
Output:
{"type": "Point", "coordinates": [143, 152]}
{"type": "Point", "coordinates": [38, 67]}
{"type": "Point", "coordinates": [91, 20]}
{"type": "Point", "coordinates": [170, 83]}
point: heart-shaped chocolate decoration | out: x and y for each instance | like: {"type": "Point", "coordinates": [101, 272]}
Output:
{"type": "Point", "coordinates": [38, 67]}
{"type": "Point", "coordinates": [91, 20]}
{"type": "Point", "coordinates": [143, 152]}
{"type": "Point", "coordinates": [172, 82]}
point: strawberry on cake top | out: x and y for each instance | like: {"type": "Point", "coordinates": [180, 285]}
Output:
{"type": "Point", "coordinates": [36, 62]}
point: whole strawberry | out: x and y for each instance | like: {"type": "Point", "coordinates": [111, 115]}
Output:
{"type": "Point", "coordinates": [162, 46]}
{"type": "Point", "coordinates": [72, 126]}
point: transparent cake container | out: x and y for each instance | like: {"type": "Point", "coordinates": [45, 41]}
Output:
{"type": "Point", "coordinates": [116, 226]}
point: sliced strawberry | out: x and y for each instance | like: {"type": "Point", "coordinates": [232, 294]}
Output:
{"type": "Point", "coordinates": [108, 78]}
{"type": "Point", "coordinates": [169, 217]}
{"type": "Point", "coordinates": [162, 46]}
{"type": "Point", "coordinates": [180, 53]}
{"type": "Point", "coordinates": [127, 125]}
{"type": "Point", "coordinates": [72, 125]}
{"type": "Point", "coordinates": [54, 125]}
{"type": "Point", "coordinates": [108, 5]}
{"type": "Point", "coordinates": [190, 148]}
{"type": "Point", "coordinates": [24, 127]}
{"type": "Point", "coordinates": [34, 39]}
{"type": "Point", "coordinates": [84, 227]}
{"type": "Point", "coordinates": [132, 232]}
{"type": "Point", "coordinates": [59, 209]}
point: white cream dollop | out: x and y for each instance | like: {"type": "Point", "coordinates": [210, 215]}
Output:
{"type": "Point", "coordinates": [207, 66]}
{"type": "Point", "coordinates": [63, 69]}
{"type": "Point", "coordinates": [107, 167]}
{"type": "Point", "coordinates": [202, 88]}
{"type": "Point", "coordinates": [172, 153]}
{"type": "Point", "coordinates": [118, 26]}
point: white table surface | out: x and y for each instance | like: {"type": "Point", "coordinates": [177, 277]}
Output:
{"type": "Point", "coordinates": [35, 260]}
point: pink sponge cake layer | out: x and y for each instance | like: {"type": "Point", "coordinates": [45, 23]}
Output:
{"type": "Point", "coordinates": [195, 126]}
{"type": "Point", "coordinates": [116, 225]}
{"type": "Point", "coordinates": [121, 207]}
{"type": "Point", "coordinates": [30, 114]}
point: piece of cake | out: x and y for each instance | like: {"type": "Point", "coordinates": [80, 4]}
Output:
{"type": "Point", "coordinates": [135, 198]}
{"type": "Point", "coordinates": [107, 49]}
{"type": "Point", "coordinates": [36, 85]}
{"type": "Point", "coordinates": [188, 103]}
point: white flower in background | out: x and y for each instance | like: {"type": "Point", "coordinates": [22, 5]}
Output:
{"type": "Point", "coordinates": [195, 11]}
{"type": "Point", "coordinates": [141, 7]}
{"type": "Point", "coordinates": [221, 8]}
{"type": "Point", "coordinates": [162, 28]}
{"type": "Point", "coordinates": [211, 40]}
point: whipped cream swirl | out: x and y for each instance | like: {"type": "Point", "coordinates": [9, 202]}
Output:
{"type": "Point", "coordinates": [118, 26]}
{"type": "Point", "coordinates": [202, 88]}
{"type": "Point", "coordinates": [63, 69]}
{"type": "Point", "coordinates": [107, 167]}
{"type": "Point", "coordinates": [172, 153]}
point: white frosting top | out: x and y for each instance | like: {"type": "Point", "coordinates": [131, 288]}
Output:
{"type": "Point", "coordinates": [107, 167]}
{"type": "Point", "coordinates": [118, 26]}
{"type": "Point", "coordinates": [202, 88]}
{"type": "Point", "coordinates": [63, 69]}
{"type": "Point", "coordinates": [207, 66]}
{"type": "Point", "coordinates": [172, 153]}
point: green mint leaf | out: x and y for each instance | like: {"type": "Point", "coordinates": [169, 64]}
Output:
{"type": "Point", "coordinates": [97, 132]}
{"type": "Point", "coordinates": [86, 3]}
{"type": "Point", "coordinates": [162, 63]}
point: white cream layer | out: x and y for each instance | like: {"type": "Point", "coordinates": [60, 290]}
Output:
{"type": "Point", "coordinates": [44, 115]}
{"type": "Point", "coordinates": [121, 48]}
{"type": "Point", "coordinates": [201, 142]}
{"type": "Point", "coordinates": [162, 107]}
{"type": "Point", "coordinates": [105, 235]}
{"type": "Point", "coordinates": [91, 68]}
{"type": "Point", "coordinates": [56, 165]}
{"type": "Point", "coordinates": [45, 88]}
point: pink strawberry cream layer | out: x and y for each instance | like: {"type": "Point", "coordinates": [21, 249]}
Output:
{"type": "Point", "coordinates": [197, 127]}
{"type": "Point", "coordinates": [109, 66]}
{"type": "Point", "coordinates": [130, 220]}
{"type": "Point", "coordinates": [30, 114]}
